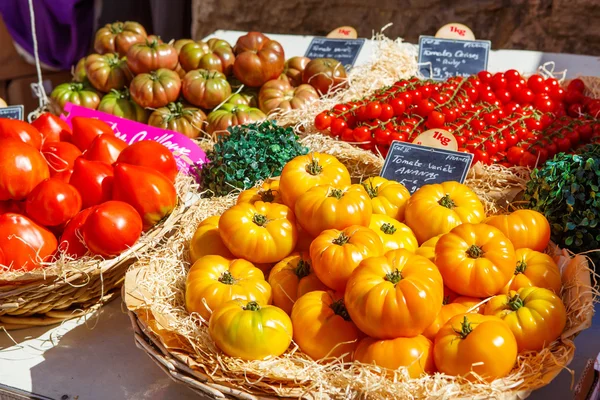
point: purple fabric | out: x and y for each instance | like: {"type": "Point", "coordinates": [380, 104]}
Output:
{"type": "Point", "coordinates": [64, 28]}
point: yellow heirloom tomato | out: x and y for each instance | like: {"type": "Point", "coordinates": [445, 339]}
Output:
{"type": "Point", "coordinates": [534, 269]}
{"type": "Point", "coordinates": [250, 331]}
{"type": "Point", "coordinates": [448, 311]}
{"type": "Point", "coordinates": [387, 197]}
{"type": "Point", "coordinates": [307, 171]}
{"type": "Point", "coordinates": [414, 353]}
{"type": "Point", "coordinates": [207, 240]}
{"type": "Point", "coordinates": [267, 192]}
{"type": "Point", "coordinates": [394, 235]}
{"type": "Point", "coordinates": [398, 294]}
{"type": "Point", "coordinates": [291, 278]}
{"type": "Point", "coordinates": [333, 207]}
{"type": "Point", "coordinates": [335, 254]}
{"type": "Point", "coordinates": [477, 343]}
{"type": "Point", "coordinates": [536, 316]}
{"type": "Point", "coordinates": [435, 209]}
{"type": "Point", "coordinates": [427, 249]}
{"type": "Point", "coordinates": [213, 280]}
{"type": "Point", "coordinates": [260, 232]}
{"type": "Point", "coordinates": [525, 228]}
{"type": "Point", "coordinates": [475, 260]}
{"type": "Point", "coordinates": [322, 327]}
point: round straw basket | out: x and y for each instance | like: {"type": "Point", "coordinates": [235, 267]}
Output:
{"type": "Point", "coordinates": [179, 343]}
{"type": "Point", "coordinates": [71, 288]}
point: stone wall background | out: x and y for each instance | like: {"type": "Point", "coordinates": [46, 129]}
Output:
{"type": "Point", "coordinates": [562, 26]}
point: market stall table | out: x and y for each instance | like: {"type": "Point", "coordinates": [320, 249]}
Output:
{"type": "Point", "coordinates": [97, 358]}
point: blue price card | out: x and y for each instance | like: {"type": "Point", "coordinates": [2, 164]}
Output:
{"type": "Point", "coordinates": [441, 59]}
{"type": "Point", "coordinates": [12, 112]}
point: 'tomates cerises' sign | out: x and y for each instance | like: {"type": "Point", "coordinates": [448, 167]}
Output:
{"type": "Point", "coordinates": [184, 149]}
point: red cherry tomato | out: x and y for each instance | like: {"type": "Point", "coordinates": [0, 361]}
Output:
{"type": "Point", "coordinates": [526, 96]}
{"type": "Point", "coordinates": [512, 75]}
{"type": "Point", "coordinates": [387, 112]}
{"type": "Point", "coordinates": [406, 98]}
{"type": "Point", "coordinates": [382, 137]}
{"type": "Point", "coordinates": [373, 110]}
{"type": "Point", "coordinates": [322, 121]}
{"type": "Point", "coordinates": [424, 108]}
{"type": "Point", "coordinates": [533, 124]}
{"type": "Point", "coordinates": [435, 120]}
{"type": "Point", "coordinates": [573, 96]}
{"type": "Point", "coordinates": [563, 144]}
{"type": "Point", "coordinates": [111, 228]}
{"type": "Point", "coordinates": [543, 103]}
{"type": "Point", "coordinates": [511, 139]}
{"type": "Point", "coordinates": [528, 160]}
{"type": "Point", "coordinates": [514, 154]}
{"type": "Point", "coordinates": [498, 81]}
{"type": "Point", "coordinates": [491, 147]}
{"type": "Point", "coordinates": [398, 106]}
{"type": "Point", "coordinates": [337, 126]}
{"type": "Point", "coordinates": [484, 76]}
{"type": "Point", "coordinates": [481, 156]}
{"type": "Point", "coordinates": [576, 85]}
{"type": "Point", "coordinates": [347, 135]}
{"type": "Point", "coordinates": [536, 83]}
{"type": "Point", "coordinates": [151, 154]}
{"type": "Point", "coordinates": [490, 118]}
{"type": "Point", "coordinates": [53, 202]}
{"type": "Point", "coordinates": [361, 134]}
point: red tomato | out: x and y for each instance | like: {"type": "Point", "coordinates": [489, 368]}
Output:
{"type": "Point", "coordinates": [71, 240]}
{"type": "Point", "coordinates": [151, 154]}
{"type": "Point", "coordinates": [22, 168]}
{"type": "Point", "coordinates": [461, 140]}
{"type": "Point", "coordinates": [52, 128]}
{"type": "Point", "coordinates": [398, 106]}
{"type": "Point", "coordinates": [514, 154]}
{"type": "Point", "coordinates": [490, 118]}
{"type": "Point", "coordinates": [498, 82]}
{"type": "Point", "coordinates": [575, 110]}
{"type": "Point", "coordinates": [60, 156]}
{"type": "Point", "coordinates": [435, 120]}
{"type": "Point", "coordinates": [543, 103]}
{"type": "Point", "coordinates": [512, 75]}
{"type": "Point", "coordinates": [20, 130]}
{"type": "Point", "coordinates": [111, 228]}
{"type": "Point", "coordinates": [337, 126]}
{"type": "Point", "coordinates": [491, 147]}
{"type": "Point", "coordinates": [407, 98]}
{"type": "Point", "coordinates": [53, 202]}
{"type": "Point", "coordinates": [347, 135]}
{"type": "Point", "coordinates": [322, 121]}
{"type": "Point", "coordinates": [25, 244]}
{"type": "Point", "coordinates": [382, 136]}
{"type": "Point", "coordinates": [93, 180]}
{"type": "Point", "coordinates": [373, 110]}
{"type": "Point", "coordinates": [477, 125]}
{"type": "Point", "coordinates": [511, 139]}
{"type": "Point", "coordinates": [503, 96]}
{"type": "Point", "coordinates": [585, 132]}
{"type": "Point", "coordinates": [533, 124]}
{"type": "Point", "coordinates": [563, 144]}
{"type": "Point", "coordinates": [576, 85]}
{"type": "Point", "coordinates": [484, 76]}
{"type": "Point", "coordinates": [536, 83]}
{"type": "Point", "coordinates": [424, 108]}
{"type": "Point", "coordinates": [487, 96]}
{"type": "Point", "coordinates": [417, 96]}
{"type": "Point", "coordinates": [361, 134]}
{"type": "Point", "coordinates": [481, 156]}
{"type": "Point", "coordinates": [525, 96]}
{"type": "Point", "coordinates": [387, 112]}
{"type": "Point", "coordinates": [148, 191]}
{"type": "Point", "coordinates": [105, 148]}
{"type": "Point", "coordinates": [528, 160]}
{"type": "Point", "coordinates": [85, 131]}
{"type": "Point", "coordinates": [573, 136]}
{"type": "Point", "coordinates": [573, 96]}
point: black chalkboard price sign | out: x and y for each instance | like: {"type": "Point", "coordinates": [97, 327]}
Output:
{"type": "Point", "coordinates": [12, 112]}
{"type": "Point", "coordinates": [414, 165]}
{"type": "Point", "coordinates": [344, 50]}
{"type": "Point", "coordinates": [441, 59]}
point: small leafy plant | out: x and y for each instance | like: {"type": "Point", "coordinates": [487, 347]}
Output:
{"type": "Point", "coordinates": [250, 153]}
{"type": "Point", "coordinates": [566, 190]}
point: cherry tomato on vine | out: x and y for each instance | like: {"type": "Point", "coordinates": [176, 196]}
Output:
{"type": "Point", "coordinates": [417, 96]}
{"type": "Point", "coordinates": [399, 136]}
{"type": "Point", "coordinates": [498, 81]}
{"type": "Point", "coordinates": [361, 134]}
{"type": "Point", "coordinates": [348, 135]}
{"type": "Point", "coordinates": [382, 136]}
{"type": "Point", "coordinates": [398, 106]}
{"type": "Point", "coordinates": [543, 103]}
{"type": "Point", "coordinates": [575, 110]}
{"type": "Point", "coordinates": [502, 145]}
{"type": "Point", "coordinates": [484, 76]}
{"type": "Point", "coordinates": [477, 125]}
{"type": "Point", "coordinates": [424, 108]}
{"type": "Point", "coordinates": [533, 124]}
{"type": "Point", "coordinates": [511, 139]}
{"type": "Point", "coordinates": [407, 98]}
{"type": "Point", "coordinates": [481, 156]}
{"type": "Point", "coordinates": [460, 140]}
{"type": "Point", "coordinates": [525, 96]}
{"type": "Point", "coordinates": [528, 160]}
{"type": "Point", "coordinates": [373, 110]}
{"type": "Point", "coordinates": [322, 121]}
{"type": "Point", "coordinates": [435, 120]}
{"type": "Point", "coordinates": [576, 85]}
{"type": "Point", "coordinates": [512, 75]}
{"type": "Point", "coordinates": [536, 83]}
{"type": "Point", "coordinates": [337, 126]}
{"type": "Point", "coordinates": [573, 96]}
{"type": "Point", "coordinates": [514, 154]}
{"type": "Point", "coordinates": [387, 112]}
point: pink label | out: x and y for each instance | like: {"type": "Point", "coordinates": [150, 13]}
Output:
{"type": "Point", "coordinates": [184, 149]}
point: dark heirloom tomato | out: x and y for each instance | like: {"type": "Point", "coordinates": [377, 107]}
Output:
{"type": "Point", "coordinates": [107, 72]}
{"type": "Point", "coordinates": [206, 89]}
{"type": "Point", "coordinates": [52, 128]}
{"type": "Point", "coordinates": [85, 130]}
{"type": "Point", "coordinates": [258, 59]}
{"type": "Point", "coordinates": [119, 103]}
{"type": "Point", "coordinates": [151, 154]}
{"type": "Point", "coordinates": [278, 94]}
{"type": "Point", "coordinates": [71, 240]}
{"type": "Point", "coordinates": [324, 74]}
{"type": "Point", "coordinates": [156, 89]}
{"type": "Point", "coordinates": [22, 168]}
{"type": "Point", "coordinates": [293, 69]}
{"type": "Point", "coordinates": [111, 228]}
{"type": "Point", "coordinates": [53, 202]}
{"type": "Point", "coordinates": [80, 94]}
{"type": "Point", "coordinates": [179, 43]}
{"type": "Point", "coordinates": [24, 244]}
{"type": "Point", "coordinates": [151, 193]}
{"type": "Point", "coordinates": [79, 72]}
{"type": "Point", "coordinates": [105, 148]}
{"type": "Point", "coordinates": [118, 37]}
{"type": "Point", "coordinates": [214, 55]}
{"type": "Point", "coordinates": [231, 114]}
{"type": "Point", "coordinates": [151, 55]}
{"type": "Point", "coordinates": [20, 130]}
{"type": "Point", "coordinates": [93, 180]}
{"type": "Point", "coordinates": [175, 117]}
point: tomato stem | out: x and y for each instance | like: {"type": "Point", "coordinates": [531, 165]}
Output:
{"type": "Point", "coordinates": [394, 277]}
{"type": "Point", "coordinates": [259, 219]}
{"type": "Point", "coordinates": [339, 308]}
{"type": "Point", "coordinates": [447, 202]}
{"type": "Point", "coordinates": [266, 195]}
{"type": "Point", "coordinates": [302, 269]}
{"type": "Point", "coordinates": [337, 193]}
{"type": "Point", "coordinates": [341, 240]}
{"type": "Point", "coordinates": [515, 302]}
{"type": "Point", "coordinates": [313, 167]}
{"type": "Point", "coordinates": [521, 267]}
{"type": "Point", "coordinates": [371, 190]}
{"type": "Point", "coordinates": [388, 228]}
{"type": "Point", "coordinates": [474, 251]}
{"type": "Point", "coordinates": [252, 306]}
{"type": "Point", "coordinates": [227, 278]}
{"type": "Point", "coordinates": [466, 328]}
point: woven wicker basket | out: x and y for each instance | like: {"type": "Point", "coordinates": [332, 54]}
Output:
{"type": "Point", "coordinates": [38, 299]}
{"type": "Point", "coordinates": [179, 357]}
